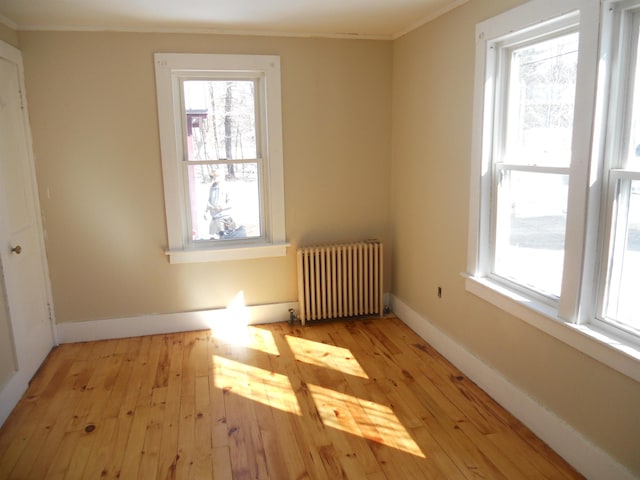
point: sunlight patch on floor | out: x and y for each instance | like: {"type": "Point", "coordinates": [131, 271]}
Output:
{"type": "Point", "coordinates": [253, 383]}
{"type": "Point", "coordinates": [325, 356]}
{"type": "Point", "coordinates": [263, 340]}
{"type": "Point", "coordinates": [231, 325]}
{"type": "Point", "coordinates": [364, 418]}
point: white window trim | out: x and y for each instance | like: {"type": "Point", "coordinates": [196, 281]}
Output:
{"type": "Point", "coordinates": [169, 66]}
{"type": "Point", "coordinates": [570, 320]}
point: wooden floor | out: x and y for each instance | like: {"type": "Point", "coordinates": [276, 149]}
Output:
{"type": "Point", "coordinates": [344, 400]}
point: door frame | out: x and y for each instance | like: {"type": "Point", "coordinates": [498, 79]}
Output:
{"type": "Point", "coordinates": [12, 391]}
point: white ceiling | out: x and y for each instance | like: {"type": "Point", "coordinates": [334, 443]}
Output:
{"type": "Point", "coordinates": [365, 18]}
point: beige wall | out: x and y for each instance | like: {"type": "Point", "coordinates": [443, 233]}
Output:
{"type": "Point", "coordinates": [9, 35]}
{"type": "Point", "coordinates": [433, 70]}
{"type": "Point", "coordinates": [92, 105]}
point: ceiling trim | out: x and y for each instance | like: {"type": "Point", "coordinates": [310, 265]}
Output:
{"type": "Point", "coordinates": [206, 31]}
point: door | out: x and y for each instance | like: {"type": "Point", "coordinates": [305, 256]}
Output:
{"type": "Point", "coordinates": [26, 316]}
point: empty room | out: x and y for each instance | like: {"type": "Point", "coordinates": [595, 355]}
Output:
{"type": "Point", "coordinates": [362, 239]}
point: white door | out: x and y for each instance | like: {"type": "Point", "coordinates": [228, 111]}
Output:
{"type": "Point", "coordinates": [22, 255]}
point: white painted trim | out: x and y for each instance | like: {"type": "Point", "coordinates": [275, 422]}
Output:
{"type": "Point", "coordinates": [238, 252]}
{"type": "Point", "coordinates": [11, 393]}
{"type": "Point", "coordinates": [72, 332]}
{"type": "Point", "coordinates": [202, 31]}
{"type": "Point", "coordinates": [26, 361]}
{"type": "Point", "coordinates": [586, 457]}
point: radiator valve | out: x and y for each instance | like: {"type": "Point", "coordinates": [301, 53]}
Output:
{"type": "Point", "coordinates": [292, 316]}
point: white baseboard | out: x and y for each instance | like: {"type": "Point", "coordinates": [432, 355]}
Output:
{"type": "Point", "coordinates": [586, 457]}
{"type": "Point", "coordinates": [171, 322]}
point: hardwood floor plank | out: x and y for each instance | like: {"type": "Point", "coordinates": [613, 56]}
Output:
{"type": "Point", "coordinates": [364, 399]}
{"type": "Point", "coordinates": [221, 463]}
{"type": "Point", "coordinates": [59, 464]}
{"type": "Point", "coordinates": [101, 450]}
{"type": "Point", "coordinates": [171, 366]}
{"type": "Point", "coordinates": [134, 449]}
{"type": "Point", "coordinates": [203, 458]}
{"type": "Point", "coordinates": [150, 458]}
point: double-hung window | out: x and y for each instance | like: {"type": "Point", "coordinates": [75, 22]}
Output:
{"type": "Point", "coordinates": [221, 145]}
{"type": "Point", "coordinates": [619, 304]}
{"type": "Point", "coordinates": [554, 233]}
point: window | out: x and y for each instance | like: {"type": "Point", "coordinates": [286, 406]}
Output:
{"type": "Point", "coordinates": [221, 143]}
{"type": "Point", "coordinates": [620, 273]}
{"type": "Point", "coordinates": [555, 186]}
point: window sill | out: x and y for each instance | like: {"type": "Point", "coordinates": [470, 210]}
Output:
{"type": "Point", "coordinates": [613, 350]}
{"type": "Point", "coordinates": [223, 254]}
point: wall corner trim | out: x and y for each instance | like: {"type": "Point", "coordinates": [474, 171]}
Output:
{"type": "Point", "coordinates": [585, 456]}
{"type": "Point", "coordinates": [155, 324]}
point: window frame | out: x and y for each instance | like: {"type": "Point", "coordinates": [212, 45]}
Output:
{"type": "Point", "coordinates": [171, 70]}
{"type": "Point", "coordinates": [572, 318]}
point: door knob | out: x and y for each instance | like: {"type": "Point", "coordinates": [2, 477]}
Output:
{"type": "Point", "coordinates": [17, 250]}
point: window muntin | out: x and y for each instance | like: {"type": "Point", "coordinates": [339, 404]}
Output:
{"type": "Point", "coordinates": [535, 97]}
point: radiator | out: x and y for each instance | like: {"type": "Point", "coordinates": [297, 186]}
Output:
{"type": "Point", "coordinates": [336, 281]}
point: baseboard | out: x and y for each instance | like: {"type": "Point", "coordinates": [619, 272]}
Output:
{"type": "Point", "coordinates": [586, 457]}
{"type": "Point", "coordinates": [171, 322]}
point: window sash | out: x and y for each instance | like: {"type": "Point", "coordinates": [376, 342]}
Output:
{"type": "Point", "coordinates": [498, 75]}
{"type": "Point", "coordinates": [500, 244]}
{"type": "Point", "coordinates": [185, 162]}
{"type": "Point", "coordinates": [259, 121]}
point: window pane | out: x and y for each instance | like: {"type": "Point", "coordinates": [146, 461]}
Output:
{"type": "Point", "coordinates": [530, 229]}
{"type": "Point", "coordinates": [220, 119]}
{"type": "Point", "coordinates": [224, 201]}
{"type": "Point", "coordinates": [542, 85]}
{"type": "Point", "coordinates": [633, 156]}
{"type": "Point", "coordinates": [623, 300]}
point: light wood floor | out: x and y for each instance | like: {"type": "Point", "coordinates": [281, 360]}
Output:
{"type": "Point", "coordinates": [364, 399]}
